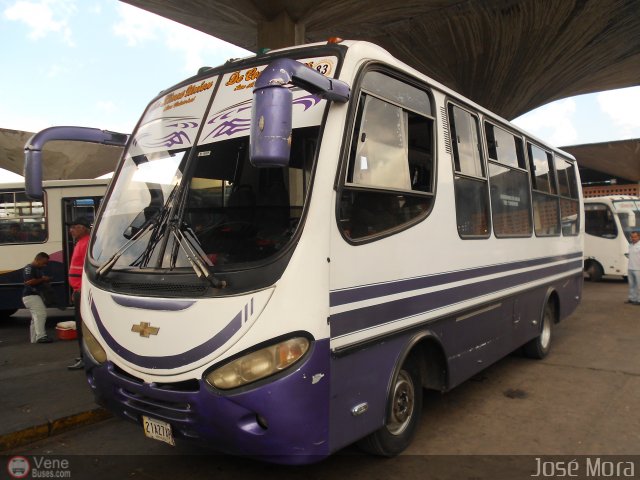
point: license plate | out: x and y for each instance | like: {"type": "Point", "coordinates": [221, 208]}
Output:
{"type": "Point", "coordinates": [158, 430]}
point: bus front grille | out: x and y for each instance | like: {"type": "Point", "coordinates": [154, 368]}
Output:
{"type": "Point", "coordinates": [160, 289]}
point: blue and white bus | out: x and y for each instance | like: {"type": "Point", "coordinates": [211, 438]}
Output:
{"type": "Point", "coordinates": [296, 244]}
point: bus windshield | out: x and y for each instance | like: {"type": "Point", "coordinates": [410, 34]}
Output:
{"type": "Point", "coordinates": [629, 213]}
{"type": "Point", "coordinates": [187, 174]}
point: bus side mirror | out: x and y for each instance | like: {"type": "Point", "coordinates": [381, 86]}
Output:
{"type": "Point", "coordinates": [33, 174]}
{"type": "Point", "coordinates": [271, 117]}
{"type": "Point", "coordinates": [272, 110]}
{"type": "Point", "coordinates": [34, 146]}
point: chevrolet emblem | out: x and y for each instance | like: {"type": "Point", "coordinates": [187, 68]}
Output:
{"type": "Point", "coordinates": [145, 329]}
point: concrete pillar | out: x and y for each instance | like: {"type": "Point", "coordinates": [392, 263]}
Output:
{"type": "Point", "coordinates": [280, 32]}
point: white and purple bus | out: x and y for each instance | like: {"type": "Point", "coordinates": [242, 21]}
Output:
{"type": "Point", "coordinates": [296, 244]}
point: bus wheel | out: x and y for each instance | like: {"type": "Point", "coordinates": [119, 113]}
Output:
{"type": "Point", "coordinates": [540, 346]}
{"type": "Point", "coordinates": [7, 313]}
{"type": "Point", "coordinates": [595, 272]}
{"type": "Point", "coordinates": [404, 406]}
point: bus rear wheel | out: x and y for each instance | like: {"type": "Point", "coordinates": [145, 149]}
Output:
{"type": "Point", "coordinates": [540, 346]}
{"type": "Point", "coordinates": [404, 406]}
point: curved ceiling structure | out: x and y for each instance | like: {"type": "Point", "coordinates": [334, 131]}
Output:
{"type": "Point", "coordinates": [64, 160]}
{"type": "Point", "coordinates": [620, 159]}
{"type": "Point", "coordinates": [510, 56]}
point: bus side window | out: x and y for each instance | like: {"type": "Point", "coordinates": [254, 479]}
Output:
{"type": "Point", "coordinates": [509, 183]}
{"type": "Point", "coordinates": [470, 179]}
{"type": "Point", "coordinates": [546, 210]}
{"type": "Point", "coordinates": [22, 220]}
{"type": "Point", "coordinates": [569, 195]}
{"type": "Point", "coordinates": [389, 181]}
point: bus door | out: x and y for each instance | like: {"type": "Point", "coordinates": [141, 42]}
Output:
{"type": "Point", "coordinates": [73, 208]}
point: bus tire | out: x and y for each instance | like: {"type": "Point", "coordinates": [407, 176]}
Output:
{"type": "Point", "coordinates": [7, 313]}
{"type": "Point", "coordinates": [540, 346]}
{"type": "Point", "coordinates": [404, 406]}
{"type": "Point", "coordinates": [595, 271]}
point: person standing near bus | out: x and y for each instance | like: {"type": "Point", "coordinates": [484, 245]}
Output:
{"type": "Point", "coordinates": [79, 230]}
{"type": "Point", "coordinates": [634, 269]}
{"type": "Point", "coordinates": [34, 281]}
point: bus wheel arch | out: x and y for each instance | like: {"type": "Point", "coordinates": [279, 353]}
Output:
{"type": "Point", "coordinates": [594, 270]}
{"type": "Point", "coordinates": [540, 346]}
{"type": "Point", "coordinates": [421, 365]}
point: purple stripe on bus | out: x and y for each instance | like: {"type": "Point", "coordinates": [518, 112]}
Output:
{"type": "Point", "coordinates": [169, 361]}
{"type": "Point", "coordinates": [367, 292]}
{"type": "Point", "coordinates": [153, 304]}
{"type": "Point", "coordinates": [372, 316]}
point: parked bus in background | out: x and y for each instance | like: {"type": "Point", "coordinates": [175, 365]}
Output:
{"type": "Point", "coordinates": [285, 293]}
{"type": "Point", "coordinates": [29, 226]}
{"type": "Point", "coordinates": [608, 223]}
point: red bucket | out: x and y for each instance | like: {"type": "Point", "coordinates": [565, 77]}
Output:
{"type": "Point", "coordinates": [66, 331]}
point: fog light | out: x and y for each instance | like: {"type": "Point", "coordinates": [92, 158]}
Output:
{"type": "Point", "coordinates": [92, 345]}
{"type": "Point", "coordinates": [262, 421]}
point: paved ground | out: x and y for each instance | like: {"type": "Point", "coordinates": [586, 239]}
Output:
{"type": "Point", "coordinates": [582, 400]}
{"type": "Point", "coordinates": [38, 395]}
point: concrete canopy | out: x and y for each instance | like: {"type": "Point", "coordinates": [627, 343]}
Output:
{"type": "Point", "coordinates": [620, 159]}
{"type": "Point", "coordinates": [64, 160]}
{"type": "Point", "coordinates": [510, 56]}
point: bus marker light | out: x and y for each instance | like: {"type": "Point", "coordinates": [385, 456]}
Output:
{"type": "Point", "coordinates": [359, 409]}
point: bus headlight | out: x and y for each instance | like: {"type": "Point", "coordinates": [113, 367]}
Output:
{"type": "Point", "coordinates": [92, 345]}
{"type": "Point", "coordinates": [258, 364]}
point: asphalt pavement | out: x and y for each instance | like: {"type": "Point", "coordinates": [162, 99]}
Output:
{"type": "Point", "coordinates": [39, 396]}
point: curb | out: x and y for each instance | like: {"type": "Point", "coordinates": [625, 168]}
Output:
{"type": "Point", "coordinates": [51, 428]}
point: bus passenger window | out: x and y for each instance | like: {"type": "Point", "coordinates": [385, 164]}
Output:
{"type": "Point", "coordinates": [389, 180]}
{"type": "Point", "coordinates": [546, 208]}
{"type": "Point", "coordinates": [472, 199]}
{"type": "Point", "coordinates": [22, 220]}
{"type": "Point", "coordinates": [509, 181]}
{"type": "Point", "coordinates": [569, 195]}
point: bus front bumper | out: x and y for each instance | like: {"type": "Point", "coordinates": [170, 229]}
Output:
{"type": "Point", "coordinates": [283, 420]}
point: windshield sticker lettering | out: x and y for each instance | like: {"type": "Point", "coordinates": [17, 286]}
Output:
{"type": "Point", "coordinates": [240, 80]}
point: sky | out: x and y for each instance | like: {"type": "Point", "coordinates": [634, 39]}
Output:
{"type": "Point", "coordinates": [97, 63]}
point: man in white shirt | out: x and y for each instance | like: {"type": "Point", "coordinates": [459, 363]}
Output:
{"type": "Point", "coordinates": [634, 269]}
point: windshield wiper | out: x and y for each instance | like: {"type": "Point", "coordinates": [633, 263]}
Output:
{"type": "Point", "coordinates": [196, 256]}
{"type": "Point", "coordinates": [108, 265]}
{"type": "Point", "coordinates": [156, 221]}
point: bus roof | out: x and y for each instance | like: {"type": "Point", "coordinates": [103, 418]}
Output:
{"type": "Point", "coordinates": [60, 183]}
{"type": "Point", "coordinates": [611, 198]}
{"type": "Point", "coordinates": [372, 52]}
